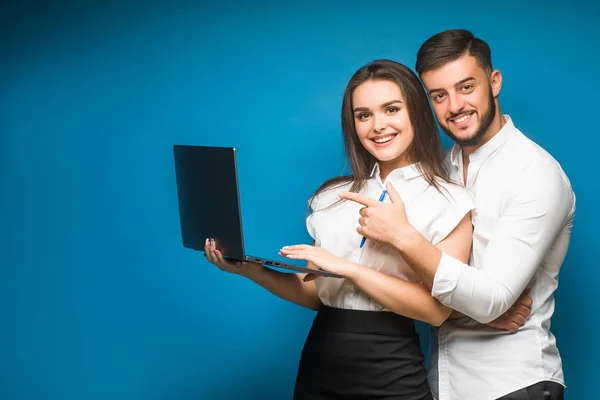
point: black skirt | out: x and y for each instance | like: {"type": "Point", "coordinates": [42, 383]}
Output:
{"type": "Point", "coordinates": [352, 354]}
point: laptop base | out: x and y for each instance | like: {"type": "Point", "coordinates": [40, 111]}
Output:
{"type": "Point", "coordinates": [278, 264]}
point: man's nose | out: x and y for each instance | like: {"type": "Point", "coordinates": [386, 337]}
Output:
{"type": "Point", "coordinates": [455, 103]}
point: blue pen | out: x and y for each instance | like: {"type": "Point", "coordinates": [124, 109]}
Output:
{"type": "Point", "coordinates": [362, 242]}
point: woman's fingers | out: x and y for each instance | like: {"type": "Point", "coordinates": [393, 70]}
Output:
{"type": "Point", "coordinates": [294, 255]}
{"type": "Point", "coordinates": [310, 277]}
{"type": "Point", "coordinates": [208, 252]}
{"type": "Point", "coordinates": [213, 255]}
{"type": "Point", "coordinates": [297, 254]}
{"type": "Point", "coordinates": [206, 247]}
{"type": "Point", "coordinates": [296, 249]}
{"type": "Point", "coordinates": [221, 262]}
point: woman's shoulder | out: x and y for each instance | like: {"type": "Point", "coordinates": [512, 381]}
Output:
{"type": "Point", "coordinates": [329, 195]}
{"type": "Point", "coordinates": [441, 210]}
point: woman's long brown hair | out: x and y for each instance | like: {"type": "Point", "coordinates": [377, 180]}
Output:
{"type": "Point", "coordinates": [426, 147]}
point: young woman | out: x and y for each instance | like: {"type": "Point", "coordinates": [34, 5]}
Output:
{"type": "Point", "coordinates": [363, 343]}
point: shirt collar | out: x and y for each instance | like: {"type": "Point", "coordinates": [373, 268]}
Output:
{"type": "Point", "coordinates": [407, 172]}
{"type": "Point", "coordinates": [487, 149]}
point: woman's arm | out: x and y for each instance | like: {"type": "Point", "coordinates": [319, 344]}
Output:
{"type": "Point", "coordinates": [288, 286]}
{"type": "Point", "coordinates": [410, 299]}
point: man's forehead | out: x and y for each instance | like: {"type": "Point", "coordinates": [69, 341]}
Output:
{"type": "Point", "coordinates": [450, 73]}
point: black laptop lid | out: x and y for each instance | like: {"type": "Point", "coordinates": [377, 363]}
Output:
{"type": "Point", "coordinates": [209, 205]}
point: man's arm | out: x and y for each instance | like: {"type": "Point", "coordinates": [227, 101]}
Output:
{"type": "Point", "coordinates": [453, 246]}
{"type": "Point", "coordinates": [512, 319]}
{"type": "Point", "coordinates": [538, 207]}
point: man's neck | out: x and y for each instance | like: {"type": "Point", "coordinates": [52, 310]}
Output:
{"type": "Point", "coordinates": [492, 131]}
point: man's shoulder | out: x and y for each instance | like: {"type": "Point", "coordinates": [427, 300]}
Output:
{"type": "Point", "coordinates": [532, 169]}
{"type": "Point", "coordinates": [524, 152]}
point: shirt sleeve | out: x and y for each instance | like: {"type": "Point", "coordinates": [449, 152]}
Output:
{"type": "Point", "coordinates": [311, 223]}
{"type": "Point", "coordinates": [538, 206]}
{"type": "Point", "coordinates": [459, 203]}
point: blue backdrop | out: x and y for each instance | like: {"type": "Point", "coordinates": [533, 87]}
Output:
{"type": "Point", "coordinates": [98, 298]}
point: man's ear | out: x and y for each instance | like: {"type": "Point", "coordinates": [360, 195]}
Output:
{"type": "Point", "coordinates": [496, 82]}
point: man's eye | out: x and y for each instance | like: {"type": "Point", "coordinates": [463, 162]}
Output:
{"type": "Point", "coordinates": [467, 88]}
{"type": "Point", "coordinates": [438, 97]}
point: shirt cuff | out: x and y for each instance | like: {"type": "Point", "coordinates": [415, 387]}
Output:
{"type": "Point", "coordinates": [446, 279]}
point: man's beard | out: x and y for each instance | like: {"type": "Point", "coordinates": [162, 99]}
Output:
{"type": "Point", "coordinates": [486, 120]}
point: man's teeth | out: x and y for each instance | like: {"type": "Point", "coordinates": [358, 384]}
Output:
{"type": "Point", "coordinates": [463, 118]}
{"type": "Point", "coordinates": [385, 139]}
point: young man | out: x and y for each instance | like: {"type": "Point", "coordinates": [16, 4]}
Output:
{"type": "Point", "coordinates": [522, 227]}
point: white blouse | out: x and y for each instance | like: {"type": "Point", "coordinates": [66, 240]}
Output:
{"type": "Point", "coordinates": [435, 214]}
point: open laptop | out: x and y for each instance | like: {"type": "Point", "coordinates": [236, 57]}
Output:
{"type": "Point", "coordinates": [209, 204]}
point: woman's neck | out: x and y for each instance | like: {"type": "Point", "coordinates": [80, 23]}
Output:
{"type": "Point", "coordinates": [385, 168]}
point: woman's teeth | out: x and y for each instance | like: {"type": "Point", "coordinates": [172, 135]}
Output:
{"type": "Point", "coordinates": [384, 139]}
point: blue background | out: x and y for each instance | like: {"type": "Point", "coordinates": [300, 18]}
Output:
{"type": "Point", "coordinates": [98, 298]}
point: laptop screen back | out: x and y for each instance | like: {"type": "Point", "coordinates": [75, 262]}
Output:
{"type": "Point", "coordinates": [208, 196]}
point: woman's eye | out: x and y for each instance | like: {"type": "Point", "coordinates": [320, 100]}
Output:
{"type": "Point", "coordinates": [392, 110]}
{"type": "Point", "coordinates": [362, 116]}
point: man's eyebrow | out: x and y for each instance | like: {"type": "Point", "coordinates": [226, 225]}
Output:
{"type": "Point", "coordinates": [464, 81]}
{"type": "Point", "coordinates": [470, 78]}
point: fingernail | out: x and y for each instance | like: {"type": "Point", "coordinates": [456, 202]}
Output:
{"type": "Point", "coordinates": [216, 253]}
{"type": "Point", "coordinates": [206, 241]}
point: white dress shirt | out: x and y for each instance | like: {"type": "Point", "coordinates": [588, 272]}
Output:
{"type": "Point", "coordinates": [433, 213]}
{"type": "Point", "coordinates": [522, 225]}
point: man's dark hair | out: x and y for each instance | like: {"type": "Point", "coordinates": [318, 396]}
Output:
{"type": "Point", "coordinates": [450, 45]}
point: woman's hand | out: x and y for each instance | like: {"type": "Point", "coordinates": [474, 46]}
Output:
{"type": "Point", "coordinates": [215, 257]}
{"type": "Point", "coordinates": [320, 257]}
